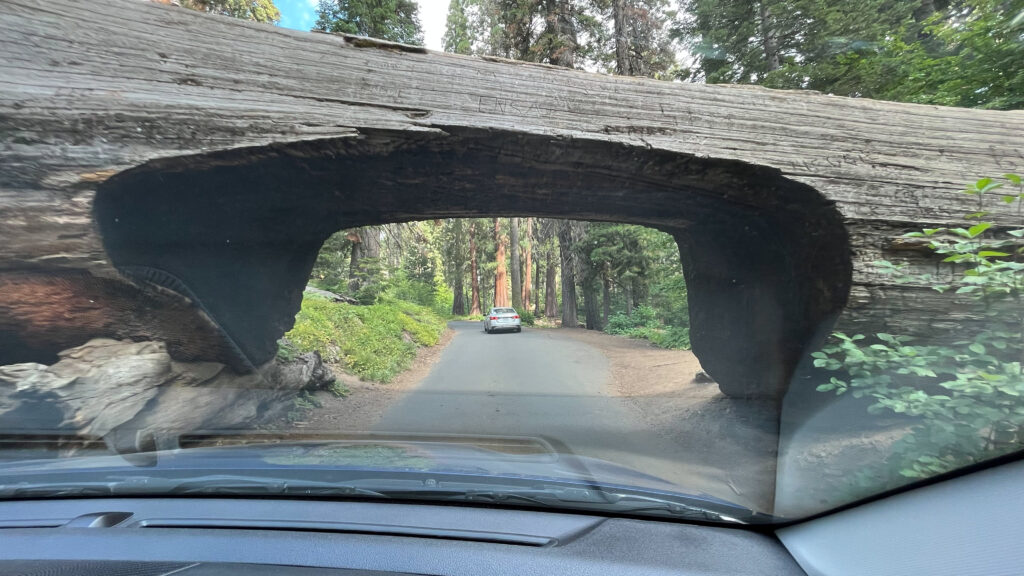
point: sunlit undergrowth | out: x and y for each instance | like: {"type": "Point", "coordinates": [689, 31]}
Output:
{"type": "Point", "coordinates": [643, 323]}
{"type": "Point", "coordinates": [373, 342]}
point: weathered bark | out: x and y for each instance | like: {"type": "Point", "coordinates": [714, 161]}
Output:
{"type": "Point", "coordinates": [570, 317]}
{"type": "Point", "coordinates": [365, 247]}
{"type": "Point", "coordinates": [622, 66]}
{"type": "Point", "coordinates": [261, 142]}
{"type": "Point", "coordinates": [515, 270]}
{"type": "Point", "coordinates": [551, 290]}
{"type": "Point", "coordinates": [474, 279]}
{"type": "Point", "coordinates": [538, 283]}
{"type": "Point", "coordinates": [500, 274]}
{"type": "Point", "coordinates": [592, 305]}
{"type": "Point", "coordinates": [527, 264]}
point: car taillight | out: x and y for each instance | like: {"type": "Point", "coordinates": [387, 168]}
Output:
{"type": "Point", "coordinates": [494, 317]}
{"type": "Point", "coordinates": [516, 316]}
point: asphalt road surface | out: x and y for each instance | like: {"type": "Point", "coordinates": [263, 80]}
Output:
{"type": "Point", "coordinates": [537, 383]}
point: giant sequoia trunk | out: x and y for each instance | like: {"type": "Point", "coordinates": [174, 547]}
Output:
{"type": "Point", "coordinates": [176, 184]}
{"type": "Point", "coordinates": [500, 274]}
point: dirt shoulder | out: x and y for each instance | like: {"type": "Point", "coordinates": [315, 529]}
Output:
{"type": "Point", "coordinates": [361, 409]}
{"type": "Point", "coordinates": [736, 439]}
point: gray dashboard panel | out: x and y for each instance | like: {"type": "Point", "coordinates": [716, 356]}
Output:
{"type": "Point", "coordinates": [962, 527]}
{"type": "Point", "coordinates": [583, 545]}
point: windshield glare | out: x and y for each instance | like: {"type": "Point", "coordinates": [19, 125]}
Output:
{"type": "Point", "coordinates": [434, 274]}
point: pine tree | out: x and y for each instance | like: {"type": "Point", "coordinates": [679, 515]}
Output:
{"type": "Point", "coordinates": [456, 37]}
{"type": "Point", "coordinates": [394, 20]}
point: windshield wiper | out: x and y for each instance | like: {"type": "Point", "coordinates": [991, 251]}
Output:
{"type": "Point", "coordinates": [593, 498]}
{"type": "Point", "coordinates": [605, 500]}
{"type": "Point", "coordinates": [224, 484]}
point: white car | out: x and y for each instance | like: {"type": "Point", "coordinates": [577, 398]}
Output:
{"type": "Point", "coordinates": [502, 319]}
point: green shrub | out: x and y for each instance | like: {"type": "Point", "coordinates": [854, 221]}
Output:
{"type": "Point", "coordinates": [643, 317]}
{"type": "Point", "coordinates": [527, 318]}
{"type": "Point", "coordinates": [674, 337]}
{"type": "Point", "coordinates": [369, 341]}
{"type": "Point", "coordinates": [619, 323]}
{"type": "Point", "coordinates": [963, 391]}
{"type": "Point", "coordinates": [339, 389]}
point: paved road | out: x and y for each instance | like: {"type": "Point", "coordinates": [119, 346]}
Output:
{"type": "Point", "coordinates": [535, 383]}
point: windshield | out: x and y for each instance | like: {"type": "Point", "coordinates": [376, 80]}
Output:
{"type": "Point", "coordinates": [775, 272]}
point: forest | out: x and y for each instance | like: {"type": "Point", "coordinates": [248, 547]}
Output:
{"type": "Point", "coordinates": [623, 278]}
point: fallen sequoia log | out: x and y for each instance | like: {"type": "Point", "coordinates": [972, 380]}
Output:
{"type": "Point", "coordinates": [123, 391]}
{"type": "Point", "coordinates": [331, 295]}
{"type": "Point", "coordinates": [170, 176]}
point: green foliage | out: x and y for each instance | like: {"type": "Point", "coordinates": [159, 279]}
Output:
{"type": "Point", "coordinates": [375, 342]}
{"type": "Point", "coordinates": [394, 20]}
{"type": "Point", "coordinates": [644, 324]}
{"type": "Point", "coordinates": [330, 271]}
{"type": "Point", "coordinates": [676, 337]}
{"type": "Point", "coordinates": [301, 406]}
{"type": "Point", "coordinates": [286, 350]}
{"type": "Point", "coordinates": [456, 37]}
{"type": "Point", "coordinates": [339, 389]}
{"type": "Point", "coordinates": [670, 298]}
{"type": "Point", "coordinates": [255, 10]}
{"type": "Point", "coordinates": [963, 390]}
{"type": "Point", "coordinates": [527, 318]}
{"type": "Point", "coordinates": [642, 317]}
{"type": "Point", "coordinates": [964, 53]}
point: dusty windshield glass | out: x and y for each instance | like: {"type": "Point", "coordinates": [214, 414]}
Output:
{"type": "Point", "coordinates": [775, 271]}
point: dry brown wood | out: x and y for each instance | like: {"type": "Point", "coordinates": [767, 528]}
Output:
{"type": "Point", "coordinates": [91, 91]}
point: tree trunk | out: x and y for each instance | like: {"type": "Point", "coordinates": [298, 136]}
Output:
{"type": "Point", "coordinates": [606, 296]}
{"type": "Point", "coordinates": [367, 246]}
{"type": "Point", "coordinates": [538, 285]}
{"type": "Point", "coordinates": [517, 276]}
{"type": "Point", "coordinates": [474, 279]}
{"type": "Point", "coordinates": [500, 274]}
{"type": "Point", "coordinates": [769, 36]}
{"type": "Point", "coordinates": [527, 264]}
{"type": "Point", "coordinates": [592, 305]}
{"type": "Point", "coordinates": [560, 29]}
{"type": "Point", "coordinates": [622, 66]}
{"type": "Point", "coordinates": [550, 290]}
{"type": "Point", "coordinates": [459, 272]}
{"type": "Point", "coordinates": [565, 246]}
